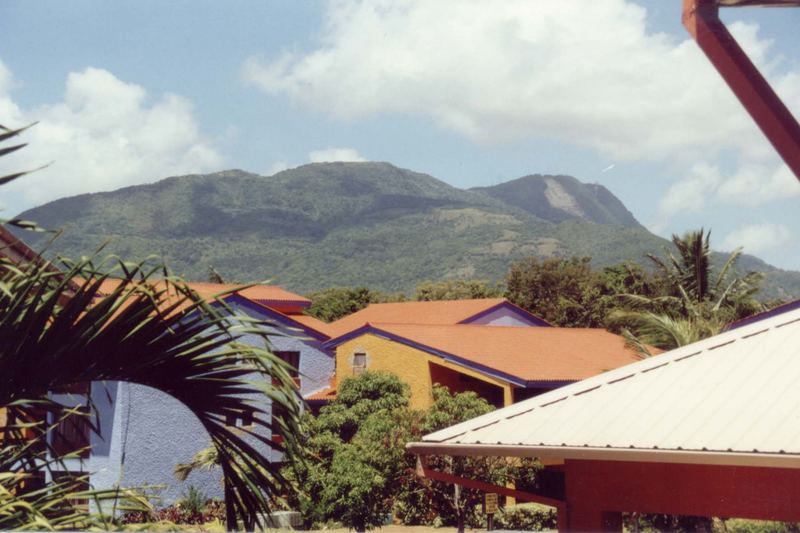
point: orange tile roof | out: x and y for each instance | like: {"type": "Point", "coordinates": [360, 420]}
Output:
{"type": "Point", "coordinates": [326, 395]}
{"type": "Point", "coordinates": [436, 312]}
{"type": "Point", "coordinates": [275, 298]}
{"type": "Point", "coordinates": [15, 248]}
{"type": "Point", "coordinates": [259, 293]}
{"type": "Point", "coordinates": [530, 354]}
{"type": "Point", "coordinates": [310, 322]}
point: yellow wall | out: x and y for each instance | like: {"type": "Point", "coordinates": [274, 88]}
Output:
{"type": "Point", "coordinates": [409, 364]}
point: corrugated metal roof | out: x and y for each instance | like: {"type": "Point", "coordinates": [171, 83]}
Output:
{"type": "Point", "coordinates": [736, 393]}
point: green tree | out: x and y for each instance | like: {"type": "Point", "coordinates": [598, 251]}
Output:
{"type": "Point", "coordinates": [421, 500]}
{"type": "Point", "coordinates": [458, 289]}
{"type": "Point", "coordinates": [58, 330]}
{"type": "Point", "coordinates": [565, 292]}
{"type": "Point", "coordinates": [337, 302]}
{"type": "Point", "coordinates": [355, 453]}
{"type": "Point", "coordinates": [697, 301]}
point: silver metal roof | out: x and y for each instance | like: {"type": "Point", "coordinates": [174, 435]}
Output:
{"type": "Point", "coordinates": [724, 400]}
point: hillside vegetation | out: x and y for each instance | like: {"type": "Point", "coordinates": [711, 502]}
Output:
{"type": "Point", "coordinates": [373, 224]}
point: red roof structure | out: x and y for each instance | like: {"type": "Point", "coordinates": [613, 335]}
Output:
{"type": "Point", "coordinates": [701, 18]}
{"type": "Point", "coordinates": [517, 354]}
{"type": "Point", "coordinates": [441, 312]}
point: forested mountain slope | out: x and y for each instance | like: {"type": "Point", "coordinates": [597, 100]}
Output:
{"type": "Point", "coordinates": [373, 224]}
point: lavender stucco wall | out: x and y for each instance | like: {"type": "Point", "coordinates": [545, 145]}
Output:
{"type": "Point", "coordinates": [145, 432]}
{"type": "Point", "coordinates": [504, 316]}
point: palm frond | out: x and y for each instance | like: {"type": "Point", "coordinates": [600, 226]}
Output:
{"type": "Point", "coordinates": [56, 332]}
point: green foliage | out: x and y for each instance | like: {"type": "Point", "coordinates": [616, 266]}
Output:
{"type": "Point", "coordinates": [565, 292]}
{"type": "Point", "coordinates": [334, 303]}
{"type": "Point", "coordinates": [356, 452]}
{"type": "Point", "coordinates": [193, 500]}
{"type": "Point", "coordinates": [57, 330]}
{"type": "Point", "coordinates": [527, 517]}
{"type": "Point", "coordinates": [339, 224]}
{"type": "Point", "coordinates": [421, 501]}
{"type": "Point", "coordinates": [739, 525]}
{"type": "Point", "coordinates": [357, 470]}
{"type": "Point", "coordinates": [696, 302]}
{"type": "Point", "coordinates": [456, 290]}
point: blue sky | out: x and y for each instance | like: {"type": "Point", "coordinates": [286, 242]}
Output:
{"type": "Point", "coordinates": [473, 93]}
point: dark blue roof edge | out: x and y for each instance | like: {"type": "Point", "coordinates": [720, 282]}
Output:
{"type": "Point", "coordinates": [257, 306]}
{"type": "Point", "coordinates": [533, 318]}
{"type": "Point", "coordinates": [775, 311]}
{"type": "Point", "coordinates": [368, 328]}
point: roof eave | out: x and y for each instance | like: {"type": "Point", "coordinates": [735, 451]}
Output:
{"type": "Point", "coordinates": [554, 454]}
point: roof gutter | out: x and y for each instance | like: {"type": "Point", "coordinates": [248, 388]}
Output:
{"type": "Point", "coordinates": [556, 454]}
{"type": "Point", "coordinates": [701, 19]}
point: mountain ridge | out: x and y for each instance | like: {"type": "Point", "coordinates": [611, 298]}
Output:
{"type": "Point", "coordinates": [368, 223]}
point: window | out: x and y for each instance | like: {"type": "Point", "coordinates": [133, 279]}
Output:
{"type": "Point", "coordinates": [77, 482]}
{"type": "Point", "coordinates": [278, 413]}
{"type": "Point", "coordinates": [72, 432]}
{"type": "Point", "coordinates": [241, 419]}
{"type": "Point", "coordinates": [293, 360]}
{"type": "Point", "coordinates": [359, 362]}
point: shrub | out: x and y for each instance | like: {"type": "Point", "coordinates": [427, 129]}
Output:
{"type": "Point", "coordinates": [527, 517]}
{"type": "Point", "coordinates": [738, 525]}
{"type": "Point", "coordinates": [181, 513]}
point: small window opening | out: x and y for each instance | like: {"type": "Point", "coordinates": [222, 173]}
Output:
{"type": "Point", "coordinates": [359, 363]}
{"type": "Point", "coordinates": [241, 419]}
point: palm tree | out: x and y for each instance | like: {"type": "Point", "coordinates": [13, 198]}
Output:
{"type": "Point", "coordinates": [153, 330]}
{"type": "Point", "coordinates": [692, 281]}
{"type": "Point", "coordinates": [697, 303]}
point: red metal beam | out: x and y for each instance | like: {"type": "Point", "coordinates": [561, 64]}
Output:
{"type": "Point", "coordinates": [423, 470]}
{"type": "Point", "coordinates": [701, 18]}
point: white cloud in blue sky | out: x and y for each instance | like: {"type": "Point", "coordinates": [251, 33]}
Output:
{"type": "Point", "coordinates": [757, 238]}
{"type": "Point", "coordinates": [472, 92]}
{"type": "Point", "coordinates": [586, 73]}
{"type": "Point", "coordinates": [104, 134]}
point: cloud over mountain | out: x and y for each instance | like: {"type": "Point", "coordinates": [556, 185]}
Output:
{"type": "Point", "coordinates": [105, 133]}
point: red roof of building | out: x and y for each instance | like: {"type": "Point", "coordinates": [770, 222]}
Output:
{"type": "Point", "coordinates": [436, 312]}
{"type": "Point", "coordinates": [328, 394]}
{"type": "Point", "coordinates": [14, 248]}
{"type": "Point", "coordinates": [528, 354]}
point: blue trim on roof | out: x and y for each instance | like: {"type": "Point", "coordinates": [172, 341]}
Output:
{"type": "Point", "coordinates": [367, 328]}
{"type": "Point", "coordinates": [511, 307]}
{"type": "Point", "coordinates": [257, 307]}
{"type": "Point", "coordinates": [294, 303]}
{"type": "Point", "coordinates": [785, 308]}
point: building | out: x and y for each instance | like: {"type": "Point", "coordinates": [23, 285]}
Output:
{"type": "Point", "coordinates": [709, 429]}
{"type": "Point", "coordinates": [491, 347]}
{"type": "Point", "coordinates": [144, 433]}
{"type": "Point", "coordinates": [487, 311]}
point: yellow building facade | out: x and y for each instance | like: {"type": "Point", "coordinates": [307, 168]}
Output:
{"type": "Point", "coordinates": [419, 369]}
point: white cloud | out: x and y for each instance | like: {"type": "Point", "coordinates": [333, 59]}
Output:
{"type": "Point", "coordinates": [588, 73]}
{"type": "Point", "coordinates": [334, 154]}
{"type": "Point", "coordinates": [756, 238]}
{"type": "Point", "coordinates": [278, 166]}
{"type": "Point", "coordinates": [690, 194]}
{"type": "Point", "coordinates": [757, 183]}
{"type": "Point", "coordinates": [105, 134]}
{"type": "Point", "coordinates": [752, 184]}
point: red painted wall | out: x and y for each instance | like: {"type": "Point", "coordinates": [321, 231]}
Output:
{"type": "Point", "coordinates": [597, 490]}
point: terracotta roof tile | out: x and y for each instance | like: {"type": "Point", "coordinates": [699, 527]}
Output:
{"type": "Point", "coordinates": [436, 312]}
{"type": "Point", "coordinates": [310, 322]}
{"type": "Point", "coordinates": [271, 296]}
{"type": "Point", "coordinates": [530, 354]}
{"type": "Point", "coordinates": [327, 394]}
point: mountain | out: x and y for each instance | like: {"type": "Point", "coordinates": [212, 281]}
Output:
{"type": "Point", "coordinates": [372, 224]}
{"type": "Point", "coordinates": [560, 198]}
